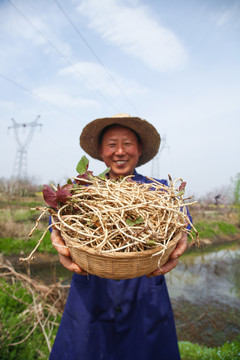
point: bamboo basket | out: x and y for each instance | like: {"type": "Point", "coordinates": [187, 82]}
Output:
{"type": "Point", "coordinates": [117, 229]}
{"type": "Point", "coordinates": [117, 265]}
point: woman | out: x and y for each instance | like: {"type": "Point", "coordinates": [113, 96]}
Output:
{"type": "Point", "coordinates": [126, 319]}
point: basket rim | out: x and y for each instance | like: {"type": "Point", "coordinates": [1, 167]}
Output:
{"type": "Point", "coordinates": [115, 254]}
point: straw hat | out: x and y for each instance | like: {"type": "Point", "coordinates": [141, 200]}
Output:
{"type": "Point", "coordinates": [150, 138]}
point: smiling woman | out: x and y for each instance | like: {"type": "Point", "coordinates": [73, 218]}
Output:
{"type": "Point", "coordinates": [120, 150]}
{"type": "Point", "coordinates": [130, 318]}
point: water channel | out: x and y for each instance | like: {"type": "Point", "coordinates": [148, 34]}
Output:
{"type": "Point", "coordinates": [205, 292]}
{"type": "Point", "coordinates": [212, 276]}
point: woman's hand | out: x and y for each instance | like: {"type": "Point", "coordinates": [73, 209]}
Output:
{"type": "Point", "coordinates": [173, 260]}
{"type": "Point", "coordinates": [64, 253]}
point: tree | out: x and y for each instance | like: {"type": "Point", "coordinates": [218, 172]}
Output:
{"type": "Point", "coordinates": [236, 190]}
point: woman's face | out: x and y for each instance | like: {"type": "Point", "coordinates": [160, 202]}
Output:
{"type": "Point", "coordinates": [120, 150]}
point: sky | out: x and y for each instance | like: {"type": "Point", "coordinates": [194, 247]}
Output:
{"type": "Point", "coordinates": [174, 63]}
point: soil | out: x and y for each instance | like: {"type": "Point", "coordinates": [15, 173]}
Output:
{"type": "Point", "coordinates": [209, 324]}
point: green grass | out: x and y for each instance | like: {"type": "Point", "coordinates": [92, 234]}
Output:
{"type": "Point", "coordinates": [228, 351]}
{"type": "Point", "coordinates": [21, 203]}
{"type": "Point", "coordinates": [227, 229]}
{"type": "Point", "coordinates": [11, 315]}
{"type": "Point", "coordinates": [23, 216]}
{"type": "Point", "coordinates": [214, 229]}
{"type": "Point", "coordinates": [11, 246]}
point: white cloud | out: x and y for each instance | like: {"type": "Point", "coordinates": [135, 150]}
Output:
{"type": "Point", "coordinates": [135, 31]}
{"type": "Point", "coordinates": [228, 16]}
{"type": "Point", "coordinates": [97, 77]}
{"type": "Point", "coordinates": [6, 104]}
{"type": "Point", "coordinates": [58, 97]}
{"type": "Point", "coordinates": [21, 23]}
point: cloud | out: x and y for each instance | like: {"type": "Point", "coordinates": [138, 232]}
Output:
{"type": "Point", "coordinates": [6, 104]}
{"type": "Point", "coordinates": [21, 23]}
{"type": "Point", "coordinates": [228, 16]}
{"type": "Point", "coordinates": [58, 97]}
{"type": "Point", "coordinates": [135, 31]}
{"type": "Point", "coordinates": [96, 77]}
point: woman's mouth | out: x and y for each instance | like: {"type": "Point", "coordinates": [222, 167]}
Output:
{"type": "Point", "coordinates": [120, 162]}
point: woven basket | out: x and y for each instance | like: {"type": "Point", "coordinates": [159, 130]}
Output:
{"type": "Point", "coordinates": [118, 265]}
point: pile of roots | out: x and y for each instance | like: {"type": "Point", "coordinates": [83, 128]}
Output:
{"type": "Point", "coordinates": [123, 216]}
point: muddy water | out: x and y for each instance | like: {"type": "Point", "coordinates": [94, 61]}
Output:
{"type": "Point", "coordinates": [212, 276]}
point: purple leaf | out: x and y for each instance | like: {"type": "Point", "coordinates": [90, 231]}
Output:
{"type": "Point", "coordinates": [49, 196]}
{"type": "Point", "coordinates": [182, 186]}
{"type": "Point", "coordinates": [84, 176]}
{"type": "Point", "coordinates": [63, 194]}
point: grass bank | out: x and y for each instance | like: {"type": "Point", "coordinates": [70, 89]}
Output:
{"type": "Point", "coordinates": [215, 230]}
{"type": "Point", "coordinates": [18, 216]}
{"type": "Point", "coordinates": [14, 246]}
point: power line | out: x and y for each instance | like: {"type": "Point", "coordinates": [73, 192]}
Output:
{"type": "Point", "coordinates": [60, 53]}
{"type": "Point", "coordinates": [34, 94]}
{"type": "Point", "coordinates": [155, 172]}
{"type": "Point", "coordinates": [95, 54]}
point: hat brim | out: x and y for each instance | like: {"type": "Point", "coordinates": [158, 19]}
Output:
{"type": "Point", "coordinates": [150, 138]}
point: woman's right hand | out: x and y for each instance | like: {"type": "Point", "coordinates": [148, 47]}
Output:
{"type": "Point", "coordinates": [64, 253]}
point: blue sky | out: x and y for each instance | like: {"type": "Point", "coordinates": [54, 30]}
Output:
{"type": "Point", "coordinates": [173, 63]}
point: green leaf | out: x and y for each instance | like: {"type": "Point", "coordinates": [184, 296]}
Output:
{"type": "Point", "coordinates": [102, 175]}
{"type": "Point", "coordinates": [180, 193]}
{"type": "Point", "coordinates": [82, 166]}
{"type": "Point", "coordinates": [151, 243]}
{"type": "Point", "coordinates": [139, 220]}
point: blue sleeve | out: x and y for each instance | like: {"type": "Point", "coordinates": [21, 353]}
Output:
{"type": "Point", "coordinates": [49, 223]}
{"type": "Point", "coordinates": [190, 218]}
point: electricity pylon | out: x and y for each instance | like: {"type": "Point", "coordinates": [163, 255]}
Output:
{"type": "Point", "coordinates": [155, 173]}
{"type": "Point", "coordinates": [20, 165]}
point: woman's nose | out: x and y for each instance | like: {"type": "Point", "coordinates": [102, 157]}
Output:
{"type": "Point", "coordinates": [120, 149]}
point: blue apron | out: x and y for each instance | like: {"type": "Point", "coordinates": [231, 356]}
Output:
{"type": "Point", "coordinates": [108, 319]}
{"type": "Point", "coordinates": [117, 320]}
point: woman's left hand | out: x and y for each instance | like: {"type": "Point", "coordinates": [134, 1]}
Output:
{"type": "Point", "coordinates": [173, 260]}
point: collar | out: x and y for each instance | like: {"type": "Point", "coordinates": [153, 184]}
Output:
{"type": "Point", "coordinates": [135, 175]}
